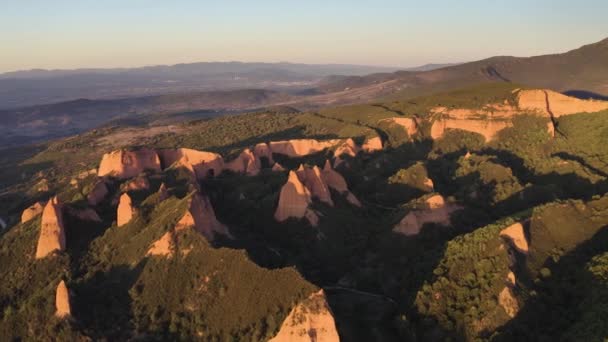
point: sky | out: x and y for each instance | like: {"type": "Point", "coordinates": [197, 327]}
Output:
{"type": "Point", "coordinates": [65, 34]}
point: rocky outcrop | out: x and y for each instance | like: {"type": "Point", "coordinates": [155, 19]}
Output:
{"type": "Point", "coordinates": [246, 163]}
{"type": "Point", "coordinates": [97, 193]}
{"type": "Point", "coordinates": [313, 181]}
{"type": "Point", "coordinates": [32, 211]}
{"type": "Point", "coordinates": [372, 145]}
{"type": "Point", "coordinates": [334, 180]}
{"type": "Point", "coordinates": [278, 167]}
{"type": "Point", "coordinates": [203, 164]}
{"type": "Point", "coordinates": [62, 301]}
{"type": "Point", "coordinates": [52, 230]}
{"type": "Point", "coordinates": [125, 164]}
{"type": "Point", "coordinates": [301, 147]}
{"type": "Point", "coordinates": [436, 211]}
{"type": "Point", "coordinates": [548, 102]}
{"type": "Point", "coordinates": [262, 150]}
{"type": "Point", "coordinates": [294, 201]}
{"type": "Point", "coordinates": [508, 302]}
{"type": "Point", "coordinates": [201, 216]}
{"type": "Point", "coordinates": [487, 128]}
{"type": "Point", "coordinates": [124, 213]}
{"type": "Point", "coordinates": [309, 321]}
{"type": "Point", "coordinates": [347, 148]}
{"type": "Point", "coordinates": [163, 193]}
{"type": "Point", "coordinates": [163, 246]}
{"type": "Point", "coordinates": [516, 236]}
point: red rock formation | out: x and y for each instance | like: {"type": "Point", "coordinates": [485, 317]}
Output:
{"type": "Point", "coordinates": [508, 302]}
{"type": "Point", "coordinates": [294, 200]}
{"type": "Point", "coordinates": [309, 321]}
{"type": "Point", "coordinates": [278, 167]}
{"type": "Point", "coordinates": [52, 230]}
{"type": "Point", "coordinates": [548, 102]}
{"type": "Point", "coordinates": [262, 150]}
{"type": "Point", "coordinates": [201, 216]}
{"type": "Point", "coordinates": [348, 147]}
{"type": "Point", "coordinates": [316, 185]}
{"type": "Point", "coordinates": [62, 301]}
{"type": "Point", "coordinates": [203, 163]}
{"type": "Point", "coordinates": [163, 193]}
{"type": "Point", "coordinates": [124, 213]}
{"type": "Point", "coordinates": [98, 193]}
{"type": "Point", "coordinates": [301, 147]}
{"type": "Point", "coordinates": [138, 183]}
{"type": "Point", "coordinates": [246, 163]}
{"type": "Point", "coordinates": [126, 164]}
{"type": "Point", "coordinates": [32, 211]}
{"type": "Point", "coordinates": [487, 128]}
{"type": "Point", "coordinates": [372, 145]}
{"type": "Point", "coordinates": [163, 246]}
{"type": "Point", "coordinates": [516, 236]}
{"type": "Point", "coordinates": [437, 211]}
{"type": "Point", "coordinates": [334, 180]}
{"type": "Point", "coordinates": [408, 124]}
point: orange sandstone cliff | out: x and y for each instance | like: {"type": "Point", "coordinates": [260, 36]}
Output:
{"type": "Point", "coordinates": [125, 164]}
{"type": "Point", "coordinates": [32, 211]}
{"type": "Point", "coordinates": [62, 301]}
{"type": "Point", "coordinates": [201, 216]}
{"type": "Point", "coordinates": [52, 230]}
{"type": "Point", "coordinates": [124, 213]}
{"type": "Point", "coordinates": [203, 163]}
{"type": "Point", "coordinates": [294, 201]}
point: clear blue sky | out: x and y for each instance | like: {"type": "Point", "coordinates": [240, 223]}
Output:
{"type": "Point", "coordinates": [110, 33]}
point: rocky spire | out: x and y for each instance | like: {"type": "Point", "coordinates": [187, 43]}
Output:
{"type": "Point", "coordinates": [52, 231]}
{"type": "Point", "coordinates": [124, 213]}
{"type": "Point", "coordinates": [62, 301]}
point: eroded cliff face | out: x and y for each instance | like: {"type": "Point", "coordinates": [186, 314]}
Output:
{"type": "Point", "coordinates": [247, 162]}
{"type": "Point", "coordinates": [124, 213]}
{"type": "Point", "coordinates": [262, 150]}
{"type": "Point", "coordinates": [548, 102]}
{"type": "Point", "coordinates": [52, 230]}
{"type": "Point", "coordinates": [62, 301]}
{"type": "Point", "coordinates": [203, 163]}
{"type": "Point", "coordinates": [313, 181]}
{"type": "Point", "coordinates": [409, 124]}
{"type": "Point", "coordinates": [32, 211]}
{"type": "Point", "coordinates": [98, 193]}
{"type": "Point", "coordinates": [516, 236]}
{"type": "Point", "coordinates": [301, 147]}
{"type": "Point", "coordinates": [334, 180]}
{"type": "Point", "coordinates": [487, 128]}
{"type": "Point", "coordinates": [125, 164]}
{"type": "Point", "coordinates": [201, 216]}
{"type": "Point", "coordinates": [371, 145]}
{"type": "Point", "coordinates": [309, 321]}
{"type": "Point", "coordinates": [294, 201]}
{"type": "Point", "coordinates": [437, 211]}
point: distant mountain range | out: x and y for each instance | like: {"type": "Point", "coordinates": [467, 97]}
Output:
{"type": "Point", "coordinates": [582, 72]}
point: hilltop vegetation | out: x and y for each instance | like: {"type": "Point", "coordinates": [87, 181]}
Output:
{"type": "Point", "coordinates": [447, 282]}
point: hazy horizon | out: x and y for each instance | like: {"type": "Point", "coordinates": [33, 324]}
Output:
{"type": "Point", "coordinates": [76, 34]}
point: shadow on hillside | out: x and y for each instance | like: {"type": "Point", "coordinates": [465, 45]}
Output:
{"type": "Point", "coordinates": [586, 95]}
{"type": "Point", "coordinates": [103, 305]}
{"type": "Point", "coordinates": [557, 305]}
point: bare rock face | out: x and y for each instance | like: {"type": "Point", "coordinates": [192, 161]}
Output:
{"type": "Point", "coordinates": [487, 128]}
{"type": "Point", "coordinates": [278, 167]}
{"type": "Point", "coordinates": [201, 216]}
{"type": "Point", "coordinates": [508, 302]}
{"type": "Point", "coordinates": [309, 321]}
{"type": "Point", "coordinates": [52, 230]}
{"type": "Point", "coordinates": [163, 193]}
{"type": "Point", "coordinates": [516, 236]}
{"type": "Point", "coordinates": [348, 147]}
{"type": "Point", "coordinates": [203, 163]}
{"type": "Point", "coordinates": [437, 211]}
{"type": "Point", "coordinates": [409, 124]}
{"type": "Point", "coordinates": [124, 213]}
{"type": "Point", "coordinates": [551, 102]}
{"type": "Point", "coordinates": [98, 193]}
{"type": "Point", "coordinates": [163, 246]}
{"type": "Point", "coordinates": [372, 145]}
{"type": "Point", "coordinates": [126, 164]}
{"type": "Point", "coordinates": [62, 301]}
{"type": "Point", "coordinates": [246, 162]}
{"type": "Point", "coordinates": [262, 150]}
{"type": "Point", "coordinates": [32, 211]}
{"type": "Point", "coordinates": [334, 180]}
{"type": "Point", "coordinates": [301, 147]}
{"type": "Point", "coordinates": [317, 186]}
{"type": "Point", "coordinates": [294, 200]}
{"type": "Point", "coordinates": [138, 183]}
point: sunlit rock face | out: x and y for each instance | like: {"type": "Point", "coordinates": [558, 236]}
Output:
{"type": "Point", "coordinates": [487, 128]}
{"type": "Point", "coordinates": [32, 211]}
{"type": "Point", "coordinates": [247, 163]}
{"type": "Point", "coordinates": [301, 147]}
{"type": "Point", "coordinates": [309, 321]}
{"type": "Point", "coordinates": [551, 102]}
{"type": "Point", "coordinates": [203, 164]}
{"type": "Point", "coordinates": [334, 180]}
{"type": "Point", "coordinates": [262, 150]}
{"type": "Point", "coordinates": [52, 230]}
{"type": "Point", "coordinates": [516, 236]}
{"type": "Point", "coordinates": [124, 213]}
{"type": "Point", "coordinates": [437, 211]}
{"type": "Point", "coordinates": [294, 201]}
{"type": "Point", "coordinates": [201, 216]}
{"type": "Point", "coordinates": [125, 164]}
{"type": "Point", "coordinates": [62, 301]}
